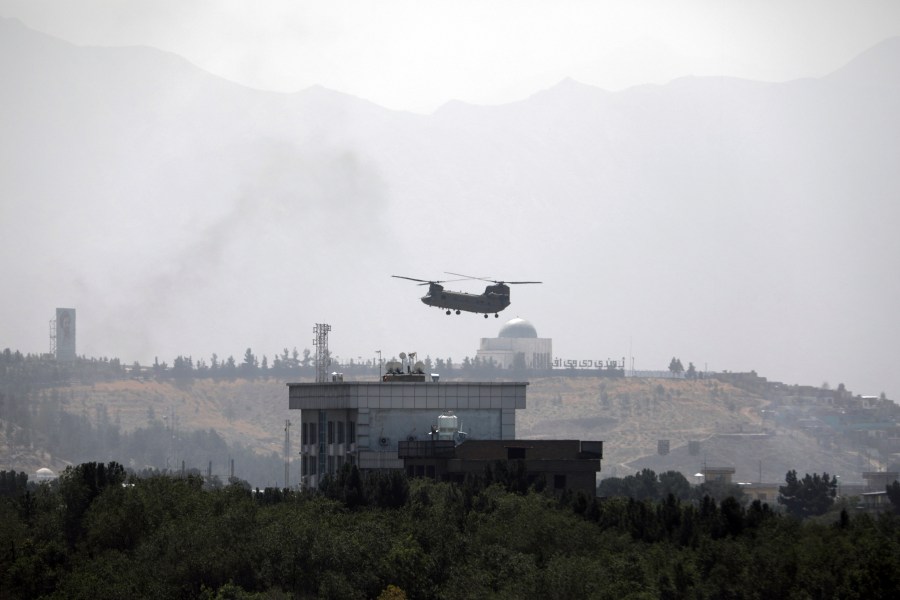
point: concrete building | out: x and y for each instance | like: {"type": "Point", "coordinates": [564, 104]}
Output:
{"type": "Point", "coordinates": [876, 481]}
{"type": "Point", "coordinates": [517, 345]}
{"type": "Point", "coordinates": [444, 430]}
{"type": "Point", "coordinates": [764, 492]}
{"type": "Point", "coordinates": [718, 474]}
{"type": "Point", "coordinates": [63, 336]}
{"type": "Point", "coordinates": [361, 423]}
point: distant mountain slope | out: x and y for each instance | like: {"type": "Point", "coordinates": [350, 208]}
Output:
{"type": "Point", "coordinates": [628, 415]}
{"type": "Point", "coordinates": [747, 224]}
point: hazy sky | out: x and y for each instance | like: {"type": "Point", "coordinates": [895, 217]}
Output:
{"type": "Point", "coordinates": [418, 54]}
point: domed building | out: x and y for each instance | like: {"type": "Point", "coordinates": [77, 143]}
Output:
{"type": "Point", "coordinates": [517, 345]}
{"type": "Point", "coordinates": [44, 474]}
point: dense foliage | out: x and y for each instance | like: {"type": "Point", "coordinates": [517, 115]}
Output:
{"type": "Point", "coordinates": [44, 370]}
{"type": "Point", "coordinates": [101, 533]}
{"type": "Point", "coordinates": [811, 496]}
{"type": "Point", "coordinates": [647, 485]}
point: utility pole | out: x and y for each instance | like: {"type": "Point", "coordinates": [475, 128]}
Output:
{"type": "Point", "coordinates": [379, 364]}
{"type": "Point", "coordinates": [287, 453]}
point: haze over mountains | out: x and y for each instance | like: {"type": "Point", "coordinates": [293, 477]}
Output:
{"type": "Point", "coordinates": [735, 224]}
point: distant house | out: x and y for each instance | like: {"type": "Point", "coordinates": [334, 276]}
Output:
{"type": "Point", "coordinates": [766, 493]}
{"type": "Point", "coordinates": [718, 474]}
{"type": "Point", "coordinates": [875, 502]}
{"type": "Point", "coordinates": [876, 481]}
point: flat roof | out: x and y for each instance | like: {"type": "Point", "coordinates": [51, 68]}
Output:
{"type": "Point", "coordinates": [456, 395]}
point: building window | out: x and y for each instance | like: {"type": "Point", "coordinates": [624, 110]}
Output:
{"type": "Point", "coordinates": [331, 465]}
{"type": "Point", "coordinates": [304, 434]}
{"type": "Point", "coordinates": [330, 432]}
{"type": "Point", "coordinates": [515, 453]}
{"type": "Point", "coordinates": [304, 464]}
{"type": "Point", "coordinates": [312, 433]}
{"type": "Point", "coordinates": [340, 462]}
{"type": "Point", "coordinates": [340, 432]}
{"type": "Point", "coordinates": [351, 432]}
{"type": "Point", "coordinates": [312, 465]}
{"type": "Point", "coordinates": [559, 482]}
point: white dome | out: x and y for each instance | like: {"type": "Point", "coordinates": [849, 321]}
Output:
{"type": "Point", "coordinates": [45, 473]}
{"type": "Point", "coordinates": [518, 328]}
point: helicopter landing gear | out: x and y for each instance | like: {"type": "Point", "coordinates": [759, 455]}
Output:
{"type": "Point", "coordinates": [457, 312]}
{"type": "Point", "coordinates": [496, 316]}
{"type": "Point", "coordinates": [448, 312]}
{"type": "Point", "coordinates": [485, 316]}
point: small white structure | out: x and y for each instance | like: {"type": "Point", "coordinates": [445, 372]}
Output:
{"type": "Point", "coordinates": [44, 474]}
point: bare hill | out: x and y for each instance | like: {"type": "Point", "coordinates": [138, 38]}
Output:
{"type": "Point", "coordinates": [629, 415]}
{"type": "Point", "coordinates": [632, 415]}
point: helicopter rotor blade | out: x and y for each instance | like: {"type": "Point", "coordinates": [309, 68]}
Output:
{"type": "Point", "coordinates": [491, 280]}
{"type": "Point", "coordinates": [414, 279]}
{"type": "Point", "coordinates": [420, 281]}
{"type": "Point", "coordinates": [471, 277]}
{"type": "Point", "coordinates": [425, 281]}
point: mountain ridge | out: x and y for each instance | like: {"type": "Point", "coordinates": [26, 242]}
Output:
{"type": "Point", "coordinates": [150, 200]}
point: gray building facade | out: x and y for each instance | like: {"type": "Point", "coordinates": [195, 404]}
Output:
{"type": "Point", "coordinates": [65, 334]}
{"type": "Point", "coordinates": [362, 423]}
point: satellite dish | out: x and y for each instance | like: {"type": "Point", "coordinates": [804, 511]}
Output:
{"type": "Point", "coordinates": [402, 355]}
{"type": "Point", "coordinates": [420, 367]}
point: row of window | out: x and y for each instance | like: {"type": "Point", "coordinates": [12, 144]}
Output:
{"type": "Point", "coordinates": [335, 433]}
{"type": "Point", "coordinates": [309, 465]}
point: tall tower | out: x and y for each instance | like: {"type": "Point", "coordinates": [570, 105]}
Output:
{"type": "Point", "coordinates": [321, 343]}
{"type": "Point", "coordinates": [62, 335]}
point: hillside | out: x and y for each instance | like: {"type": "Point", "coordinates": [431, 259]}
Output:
{"type": "Point", "coordinates": [632, 415]}
{"type": "Point", "coordinates": [629, 415]}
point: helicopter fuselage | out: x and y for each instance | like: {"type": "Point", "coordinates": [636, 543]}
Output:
{"type": "Point", "coordinates": [494, 299]}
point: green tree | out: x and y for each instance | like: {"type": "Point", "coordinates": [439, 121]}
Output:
{"type": "Point", "coordinates": [673, 482]}
{"type": "Point", "coordinates": [230, 368]}
{"type": "Point", "coordinates": [79, 486]}
{"type": "Point", "coordinates": [250, 364]}
{"type": "Point", "coordinates": [813, 495]}
{"type": "Point", "coordinates": [12, 484]}
{"type": "Point", "coordinates": [519, 361]}
{"type": "Point", "coordinates": [893, 494]}
{"type": "Point", "coordinates": [675, 366]}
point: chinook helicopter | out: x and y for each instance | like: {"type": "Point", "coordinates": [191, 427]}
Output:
{"type": "Point", "coordinates": [494, 299]}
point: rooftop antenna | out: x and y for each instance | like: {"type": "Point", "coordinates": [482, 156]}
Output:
{"type": "Point", "coordinates": [321, 343]}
